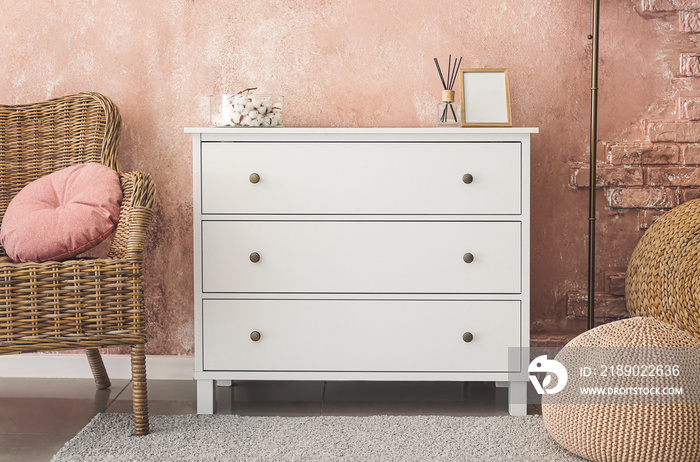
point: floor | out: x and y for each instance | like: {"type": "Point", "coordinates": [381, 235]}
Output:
{"type": "Point", "coordinates": [37, 416]}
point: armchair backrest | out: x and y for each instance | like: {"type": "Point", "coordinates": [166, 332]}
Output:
{"type": "Point", "coordinates": [39, 138]}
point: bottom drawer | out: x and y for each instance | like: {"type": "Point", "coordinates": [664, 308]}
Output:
{"type": "Point", "coordinates": [352, 335]}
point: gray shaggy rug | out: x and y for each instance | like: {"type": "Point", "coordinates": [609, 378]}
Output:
{"type": "Point", "coordinates": [376, 438]}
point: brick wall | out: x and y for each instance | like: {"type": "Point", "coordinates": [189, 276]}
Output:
{"type": "Point", "coordinates": [652, 173]}
{"type": "Point", "coordinates": [670, 5]}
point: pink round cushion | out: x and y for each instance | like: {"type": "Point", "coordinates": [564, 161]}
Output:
{"type": "Point", "coordinates": [62, 214]}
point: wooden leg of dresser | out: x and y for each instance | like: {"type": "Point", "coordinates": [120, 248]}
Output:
{"type": "Point", "coordinates": [517, 398]}
{"type": "Point", "coordinates": [206, 397]}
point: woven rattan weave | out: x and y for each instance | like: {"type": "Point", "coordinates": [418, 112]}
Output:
{"type": "Point", "coordinates": [635, 426]}
{"type": "Point", "coordinates": [78, 304]}
{"type": "Point", "coordinates": [663, 275]}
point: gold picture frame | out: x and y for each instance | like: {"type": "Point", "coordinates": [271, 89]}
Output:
{"type": "Point", "coordinates": [485, 97]}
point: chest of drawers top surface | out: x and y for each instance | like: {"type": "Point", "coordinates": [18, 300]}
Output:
{"type": "Point", "coordinates": [267, 132]}
{"type": "Point", "coordinates": [342, 135]}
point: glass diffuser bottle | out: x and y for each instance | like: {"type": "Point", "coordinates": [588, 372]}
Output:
{"type": "Point", "coordinates": [448, 112]}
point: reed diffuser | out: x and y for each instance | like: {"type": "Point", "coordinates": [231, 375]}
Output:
{"type": "Point", "coordinates": [448, 111]}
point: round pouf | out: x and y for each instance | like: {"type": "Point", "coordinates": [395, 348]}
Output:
{"type": "Point", "coordinates": [663, 274]}
{"type": "Point", "coordinates": [630, 420]}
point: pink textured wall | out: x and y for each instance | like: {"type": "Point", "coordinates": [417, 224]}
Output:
{"type": "Point", "coordinates": [359, 63]}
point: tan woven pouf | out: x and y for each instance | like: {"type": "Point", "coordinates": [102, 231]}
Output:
{"type": "Point", "coordinates": [630, 427]}
{"type": "Point", "coordinates": [663, 275]}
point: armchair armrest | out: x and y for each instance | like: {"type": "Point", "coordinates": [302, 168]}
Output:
{"type": "Point", "coordinates": [135, 216]}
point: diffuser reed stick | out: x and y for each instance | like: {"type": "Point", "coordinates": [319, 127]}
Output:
{"type": "Point", "coordinates": [452, 72]}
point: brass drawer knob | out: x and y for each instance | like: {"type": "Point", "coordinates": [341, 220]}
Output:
{"type": "Point", "coordinates": [255, 336]}
{"type": "Point", "coordinates": [467, 178]}
{"type": "Point", "coordinates": [467, 337]}
{"type": "Point", "coordinates": [468, 258]}
{"type": "Point", "coordinates": [255, 257]}
{"type": "Point", "coordinates": [254, 177]}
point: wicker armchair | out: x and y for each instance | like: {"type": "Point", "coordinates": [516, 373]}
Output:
{"type": "Point", "coordinates": [77, 304]}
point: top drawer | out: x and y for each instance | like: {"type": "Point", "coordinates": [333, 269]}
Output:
{"type": "Point", "coordinates": [448, 178]}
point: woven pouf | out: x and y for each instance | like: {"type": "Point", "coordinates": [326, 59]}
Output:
{"type": "Point", "coordinates": [638, 424]}
{"type": "Point", "coordinates": [663, 275]}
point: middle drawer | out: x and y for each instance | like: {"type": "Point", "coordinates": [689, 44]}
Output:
{"type": "Point", "coordinates": [361, 257]}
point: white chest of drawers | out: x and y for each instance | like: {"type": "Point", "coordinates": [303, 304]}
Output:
{"type": "Point", "coordinates": [361, 254]}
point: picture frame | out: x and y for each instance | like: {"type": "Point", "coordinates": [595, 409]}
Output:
{"type": "Point", "coordinates": [485, 97]}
